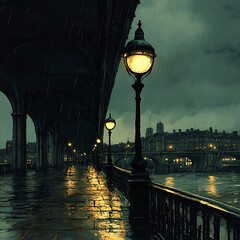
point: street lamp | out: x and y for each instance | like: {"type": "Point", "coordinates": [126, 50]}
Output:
{"type": "Point", "coordinates": [110, 124]}
{"type": "Point", "coordinates": [98, 158]}
{"type": "Point", "coordinates": [138, 58]}
{"type": "Point", "coordinates": [68, 152]}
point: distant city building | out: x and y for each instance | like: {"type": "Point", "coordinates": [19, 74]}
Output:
{"type": "Point", "coordinates": [6, 154]}
{"type": "Point", "coordinates": [191, 139]}
{"type": "Point", "coordinates": [160, 127]}
{"type": "Point", "coordinates": [154, 142]}
{"type": "Point", "coordinates": [149, 132]}
{"type": "Point", "coordinates": [31, 152]}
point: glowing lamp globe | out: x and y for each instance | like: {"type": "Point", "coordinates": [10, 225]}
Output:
{"type": "Point", "coordinates": [110, 123]}
{"type": "Point", "coordinates": [138, 54]}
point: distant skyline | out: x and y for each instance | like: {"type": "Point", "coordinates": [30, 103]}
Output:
{"type": "Point", "coordinates": [195, 82]}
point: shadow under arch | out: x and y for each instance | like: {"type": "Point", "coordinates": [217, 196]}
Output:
{"type": "Point", "coordinates": [228, 162]}
{"type": "Point", "coordinates": [188, 162]}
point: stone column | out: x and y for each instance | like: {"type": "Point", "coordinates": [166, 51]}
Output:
{"type": "Point", "coordinates": [61, 155]}
{"type": "Point", "coordinates": [56, 153]}
{"type": "Point", "coordinates": [19, 154]}
{"type": "Point", "coordinates": [42, 149]}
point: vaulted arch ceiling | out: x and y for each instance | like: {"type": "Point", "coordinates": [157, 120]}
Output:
{"type": "Point", "coordinates": [60, 58]}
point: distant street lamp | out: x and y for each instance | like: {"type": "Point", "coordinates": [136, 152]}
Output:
{"type": "Point", "coordinates": [138, 58]}
{"type": "Point", "coordinates": [68, 152]}
{"type": "Point", "coordinates": [98, 141]}
{"type": "Point", "coordinates": [110, 124]}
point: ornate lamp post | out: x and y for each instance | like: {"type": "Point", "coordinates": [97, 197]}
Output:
{"type": "Point", "coordinates": [110, 124]}
{"type": "Point", "coordinates": [98, 141]}
{"type": "Point", "coordinates": [68, 152]}
{"type": "Point", "coordinates": [138, 58]}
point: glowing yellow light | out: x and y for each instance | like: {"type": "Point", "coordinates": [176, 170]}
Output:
{"type": "Point", "coordinates": [210, 145]}
{"type": "Point", "coordinates": [170, 147]}
{"type": "Point", "coordinates": [98, 140]}
{"type": "Point", "coordinates": [69, 144]}
{"type": "Point", "coordinates": [74, 150]}
{"type": "Point", "coordinates": [95, 145]}
{"type": "Point", "coordinates": [110, 125]}
{"type": "Point", "coordinates": [139, 63]}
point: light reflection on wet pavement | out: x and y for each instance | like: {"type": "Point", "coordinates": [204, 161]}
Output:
{"type": "Point", "coordinates": [60, 205]}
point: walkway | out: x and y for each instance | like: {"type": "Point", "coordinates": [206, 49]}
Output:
{"type": "Point", "coordinates": [76, 204]}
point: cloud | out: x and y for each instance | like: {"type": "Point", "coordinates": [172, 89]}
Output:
{"type": "Point", "coordinates": [196, 77]}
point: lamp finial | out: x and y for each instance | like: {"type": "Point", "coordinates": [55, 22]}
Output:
{"type": "Point", "coordinates": [139, 34]}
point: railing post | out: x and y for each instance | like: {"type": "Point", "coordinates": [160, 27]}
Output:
{"type": "Point", "coordinates": [193, 223]}
{"type": "Point", "coordinates": [216, 227]}
{"type": "Point", "coordinates": [206, 223]}
{"type": "Point", "coordinates": [138, 202]}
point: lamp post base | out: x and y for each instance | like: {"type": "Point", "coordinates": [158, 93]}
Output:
{"type": "Point", "coordinates": [110, 171]}
{"type": "Point", "coordinates": [138, 185]}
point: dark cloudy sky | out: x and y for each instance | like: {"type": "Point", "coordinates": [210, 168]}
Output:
{"type": "Point", "coordinates": [196, 80]}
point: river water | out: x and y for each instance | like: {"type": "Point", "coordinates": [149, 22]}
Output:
{"type": "Point", "coordinates": [223, 187]}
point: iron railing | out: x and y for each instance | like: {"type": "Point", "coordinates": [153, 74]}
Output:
{"type": "Point", "coordinates": [179, 215]}
{"type": "Point", "coordinates": [183, 216]}
{"type": "Point", "coordinates": [120, 178]}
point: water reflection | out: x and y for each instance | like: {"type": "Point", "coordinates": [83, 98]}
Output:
{"type": "Point", "coordinates": [211, 187]}
{"type": "Point", "coordinates": [169, 182]}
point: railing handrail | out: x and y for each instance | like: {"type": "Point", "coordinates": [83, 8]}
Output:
{"type": "Point", "coordinates": [216, 205]}
{"type": "Point", "coordinates": [207, 202]}
{"type": "Point", "coordinates": [123, 170]}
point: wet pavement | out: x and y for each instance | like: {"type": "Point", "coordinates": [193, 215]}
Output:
{"type": "Point", "coordinates": [75, 203]}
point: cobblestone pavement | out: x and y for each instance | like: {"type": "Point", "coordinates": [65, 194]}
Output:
{"type": "Point", "coordinates": [72, 204]}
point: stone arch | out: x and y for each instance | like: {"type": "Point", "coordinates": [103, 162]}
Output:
{"type": "Point", "coordinates": [151, 161]}
{"type": "Point", "coordinates": [196, 164]}
{"type": "Point", "coordinates": [228, 160]}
